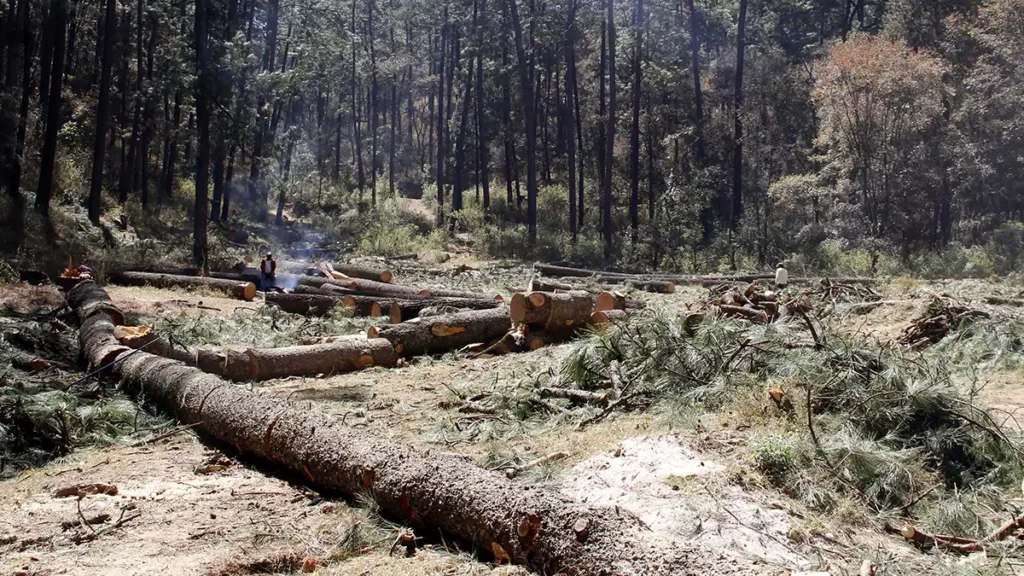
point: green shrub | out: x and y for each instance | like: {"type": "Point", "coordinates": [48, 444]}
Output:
{"type": "Point", "coordinates": [774, 456]}
{"type": "Point", "coordinates": [1005, 247]}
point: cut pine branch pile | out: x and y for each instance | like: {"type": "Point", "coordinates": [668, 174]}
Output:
{"type": "Point", "coordinates": [241, 289]}
{"type": "Point", "coordinates": [531, 526]}
{"type": "Point", "coordinates": [835, 291]}
{"type": "Point", "coordinates": [752, 302]}
{"type": "Point", "coordinates": [942, 316]}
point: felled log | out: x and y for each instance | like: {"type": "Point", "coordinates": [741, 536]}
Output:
{"type": "Point", "coordinates": [364, 272]}
{"type": "Point", "coordinates": [604, 317]}
{"type": "Point", "coordinates": [647, 285]}
{"type": "Point", "coordinates": [538, 284]}
{"type": "Point", "coordinates": [440, 334]}
{"type": "Point", "coordinates": [343, 355]}
{"type": "Point", "coordinates": [751, 314]}
{"type": "Point", "coordinates": [407, 308]}
{"type": "Point", "coordinates": [532, 526]}
{"type": "Point", "coordinates": [31, 363]}
{"type": "Point", "coordinates": [305, 304]}
{"type": "Point", "coordinates": [551, 310]}
{"type": "Point", "coordinates": [615, 301]}
{"type": "Point", "coordinates": [241, 290]}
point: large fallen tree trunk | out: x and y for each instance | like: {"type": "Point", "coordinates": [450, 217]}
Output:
{"type": "Point", "coordinates": [445, 333]}
{"type": "Point", "coordinates": [552, 310]}
{"type": "Point", "coordinates": [399, 309]}
{"type": "Point", "coordinates": [706, 280]}
{"type": "Point", "coordinates": [238, 289]}
{"type": "Point", "coordinates": [530, 525]}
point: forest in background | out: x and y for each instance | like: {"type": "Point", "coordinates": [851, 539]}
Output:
{"type": "Point", "coordinates": [879, 135]}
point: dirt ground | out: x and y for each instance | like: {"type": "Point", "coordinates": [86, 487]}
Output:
{"type": "Point", "coordinates": [183, 507]}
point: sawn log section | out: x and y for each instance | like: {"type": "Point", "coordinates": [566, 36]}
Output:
{"type": "Point", "coordinates": [533, 526]}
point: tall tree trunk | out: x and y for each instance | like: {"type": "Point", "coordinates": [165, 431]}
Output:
{"type": "Point", "coordinates": [634, 136]}
{"type": "Point", "coordinates": [506, 116]}
{"type": "Point", "coordinates": [102, 111]}
{"type": "Point", "coordinates": [460, 144]}
{"type": "Point", "coordinates": [26, 96]}
{"type": "Point", "coordinates": [578, 128]}
{"type": "Point", "coordinates": [440, 158]}
{"type": "Point", "coordinates": [17, 23]}
{"type": "Point", "coordinates": [357, 137]}
{"type": "Point", "coordinates": [46, 46]}
{"type": "Point", "coordinates": [262, 124]}
{"type": "Point", "coordinates": [204, 97]}
{"type": "Point", "coordinates": [736, 210]}
{"type": "Point", "coordinates": [609, 134]}
{"type": "Point", "coordinates": [698, 94]}
{"type": "Point", "coordinates": [58, 12]}
{"type": "Point", "coordinates": [373, 106]}
{"type": "Point", "coordinates": [147, 115]}
{"type": "Point", "coordinates": [483, 140]}
{"type": "Point", "coordinates": [336, 173]}
{"type": "Point", "coordinates": [569, 116]}
{"type": "Point", "coordinates": [531, 124]}
{"type": "Point", "coordinates": [602, 112]}
{"type": "Point", "coordinates": [396, 133]}
{"type": "Point", "coordinates": [133, 148]}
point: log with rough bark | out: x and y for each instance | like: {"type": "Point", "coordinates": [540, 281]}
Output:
{"type": "Point", "coordinates": [340, 355]}
{"type": "Point", "coordinates": [409, 308]}
{"type": "Point", "coordinates": [533, 526]}
{"type": "Point", "coordinates": [707, 280]}
{"type": "Point", "coordinates": [305, 304]}
{"type": "Point", "coordinates": [238, 289]}
{"type": "Point", "coordinates": [538, 284]}
{"type": "Point", "coordinates": [552, 310]}
{"type": "Point", "coordinates": [604, 317]}
{"type": "Point", "coordinates": [445, 333]}
{"type": "Point", "coordinates": [645, 284]}
{"type": "Point", "coordinates": [615, 301]}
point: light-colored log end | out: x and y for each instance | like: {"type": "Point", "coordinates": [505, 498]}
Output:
{"type": "Point", "coordinates": [517, 308]}
{"type": "Point", "coordinates": [386, 277]}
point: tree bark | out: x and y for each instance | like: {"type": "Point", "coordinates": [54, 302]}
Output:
{"type": "Point", "coordinates": [552, 310]}
{"type": "Point", "coordinates": [634, 136]}
{"type": "Point", "coordinates": [58, 11]}
{"type": "Point", "coordinates": [102, 111]}
{"type": "Point", "coordinates": [736, 210]}
{"type": "Point", "coordinates": [440, 157]}
{"type": "Point", "coordinates": [16, 53]}
{"type": "Point", "coordinates": [445, 333]}
{"type": "Point", "coordinates": [483, 131]}
{"type": "Point", "coordinates": [609, 135]}
{"type": "Point", "coordinates": [529, 112]}
{"type": "Point", "coordinates": [241, 290]}
{"type": "Point", "coordinates": [569, 116]}
{"type": "Point", "coordinates": [427, 490]}
{"type": "Point", "coordinates": [204, 94]}
{"type": "Point", "coordinates": [698, 94]}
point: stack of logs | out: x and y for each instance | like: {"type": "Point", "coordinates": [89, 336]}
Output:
{"type": "Point", "coordinates": [422, 321]}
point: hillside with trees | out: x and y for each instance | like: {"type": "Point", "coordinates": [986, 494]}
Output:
{"type": "Point", "coordinates": [691, 135]}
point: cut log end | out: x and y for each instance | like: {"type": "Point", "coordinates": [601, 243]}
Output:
{"type": "Point", "coordinates": [364, 361]}
{"type": "Point", "coordinates": [537, 298]}
{"type": "Point", "coordinates": [247, 290]}
{"type": "Point", "coordinates": [517, 307]}
{"type": "Point", "coordinates": [372, 332]}
{"type": "Point", "coordinates": [395, 313]}
{"type": "Point", "coordinates": [375, 311]}
{"type": "Point", "coordinates": [386, 277]}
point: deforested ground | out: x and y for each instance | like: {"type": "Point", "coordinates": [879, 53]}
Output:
{"type": "Point", "coordinates": [779, 448]}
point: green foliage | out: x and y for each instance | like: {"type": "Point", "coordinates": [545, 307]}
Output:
{"type": "Point", "coordinates": [774, 456]}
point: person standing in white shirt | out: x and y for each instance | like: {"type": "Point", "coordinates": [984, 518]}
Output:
{"type": "Point", "coordinates": [781, 276]}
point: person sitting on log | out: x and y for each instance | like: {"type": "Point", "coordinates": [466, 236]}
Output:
{"type": "Point", "coordinates": [268, 272]}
